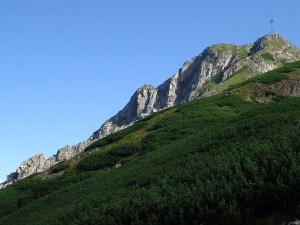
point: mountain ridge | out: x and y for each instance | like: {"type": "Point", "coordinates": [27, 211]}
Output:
{"type": "Point", "coordinates": [217, 62]}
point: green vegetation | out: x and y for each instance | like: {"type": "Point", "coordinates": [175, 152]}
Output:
{"type": "Point", "coordinates": [115, 136]}
{"type": "Point", "coordinates": [235, 78]}
{"type": "Point", "coordinates": [270, 77]}
{"type": "Point", "coordinates": [241, 50]}
{"type": "Point", "coordinates": [268, 56]}
{"type": "Point", "coordinates": [216, 160]}
{"type": "Point", "coordinates": [272, 41]}
{"type": "Point", "coordinates": [59, 167]}
{"type": "Point", "coordinates": [99, 160]}
{"type": "Point", "coordinates": [220, 86]}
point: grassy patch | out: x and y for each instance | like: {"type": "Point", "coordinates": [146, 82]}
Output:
{"type": "Point", "coordinates": [235, 78]}
{"type": "Point", "coordinates": [268, 56]}
{"type": "Point", "coordinates": [241, 50]}
{"type": "Point", "coordinates": [270, 77]}
{"type": "Point", "coordinates": [115, 136]}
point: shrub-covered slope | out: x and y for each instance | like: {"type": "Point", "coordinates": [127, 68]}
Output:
{"type": "Point", "coordinates": [217, 160]}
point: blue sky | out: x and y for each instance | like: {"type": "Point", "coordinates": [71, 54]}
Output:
{"type": "Point", "coordinates": [68, 65]}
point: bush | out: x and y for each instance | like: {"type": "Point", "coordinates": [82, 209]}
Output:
{"type": "Point", "coordinates": [98, 161]}
{"type": "Point", "coordinates": [126, 149]}
{"type": "Point", "coordinates": [285, 70]}
{"type": "Point", "coordinates": [61, 166]}
{"type": "Point", "coordinates": [101, 160]}
{"type": "Point", "coordinates": [270, 78]}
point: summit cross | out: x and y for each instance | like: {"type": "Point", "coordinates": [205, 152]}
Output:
{"type": "Point", "coordinates": [272, 21]}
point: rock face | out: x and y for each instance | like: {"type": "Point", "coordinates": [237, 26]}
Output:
{"type": "Point", "coordinates": [216, 63]}
{"type": "Point", "coordinates": [141, 104]}
{"type": "Point", "coordinates": [40, 163]}
{"type": "Point", "coordinates": [32, 165]}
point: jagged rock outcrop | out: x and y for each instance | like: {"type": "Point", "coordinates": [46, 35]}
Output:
{"type": "Point", "coordinates": [30, 166]}
{"type": "Point", "coordinates": [217, 62]}
{"type": "Point", "coordinates": [140, 105]}
{"type": "Point", "coordinates": [68, 152]}
{"type": "Point", "coordinates": [40, 163]}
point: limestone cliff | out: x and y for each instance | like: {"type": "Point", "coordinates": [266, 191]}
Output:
{"type": "Point", "coordinates": [217, 63]}
{"type": "Point", "coordinates": [40, 163]}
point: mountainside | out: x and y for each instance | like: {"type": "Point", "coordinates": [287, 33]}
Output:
{"type": "Point", "coordinates": [216, 63]}
{"type": "Point", "coordinates": [231, 158]}
{"type": "Point", "coordinates": [211, 72]}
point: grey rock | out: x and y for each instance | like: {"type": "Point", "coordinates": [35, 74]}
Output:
{"type": "Point", "coordinates": [296, 222]}
{"type": "Point", "coordinates": [11, 177]}
{"type": "Point", "coordinates": [139, 106]}
{"type": "Point", "coordinates": [31, 166]}
{"type": "Point", "coordinates": [68, 152]}
{"type": "Point", "coordinates": [217, 62]}
{"type": "Point", "coordinates": [40, 163]}
{"type": "Point", "coordinates": [118, 165]}
{"type": "Point", "coordinates": [4, 184]}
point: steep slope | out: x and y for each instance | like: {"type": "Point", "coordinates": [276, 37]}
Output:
{"type": "Point", "coordinates": [216, 63]}
{"type": "Point", "coordinates": [264, 88]}
{"type": "Point", "coordinates": [224, 159]}
{"type": "Point", "coordinates": [213, 71]}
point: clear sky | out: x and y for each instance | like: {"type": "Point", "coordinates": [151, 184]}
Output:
{"type": "Point", "coordinates": [66, 66]}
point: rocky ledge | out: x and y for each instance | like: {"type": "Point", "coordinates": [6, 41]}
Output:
{"type": "Point", "coordinates": [40, 162]}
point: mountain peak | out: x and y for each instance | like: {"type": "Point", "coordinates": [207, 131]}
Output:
{"type": "Point", "coordinates": [200, 76]}
{"type": "Point", "coordinates": [273, 37]}
{"type": "Point", "coordinates": [145, 87]}
{"type": "Point", "coordinates": [271, 42]}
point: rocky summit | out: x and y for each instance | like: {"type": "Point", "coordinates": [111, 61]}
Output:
{"type": "Point", "coordinates": [206, 74]}
{"type": "Point", "coordinates": [215, 64]}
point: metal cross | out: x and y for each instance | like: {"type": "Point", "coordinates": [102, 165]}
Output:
{"type": "Point", "coordinates": [272, 21]}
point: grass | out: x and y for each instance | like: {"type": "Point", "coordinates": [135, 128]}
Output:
{"type": "Point", "coordinates": [270, 77]}
{"type": "Point", "coordinates": [235, 78]}
{"type": "Point", "coordinates": [267, 56]}
{"type": "Point", "coordinates": [279, 42]}
{"type": "Point", "coordinates": [240, 50]}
